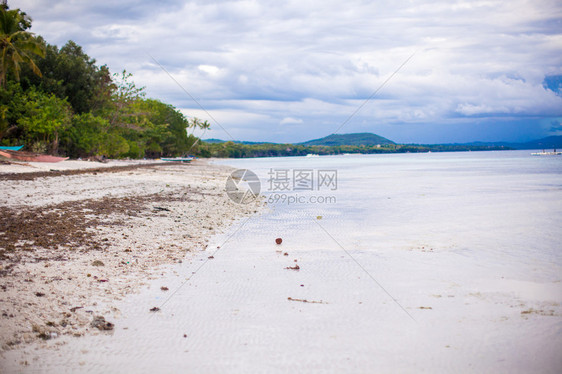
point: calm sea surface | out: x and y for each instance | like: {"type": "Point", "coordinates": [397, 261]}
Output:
{"type": "Point", "coordinates": [486, 203]}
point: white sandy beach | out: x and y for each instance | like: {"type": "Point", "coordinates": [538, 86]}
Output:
{"type": "Point", "coordinates": [134, 221]}
{"type": "Point", "coordinates": [33, 167]}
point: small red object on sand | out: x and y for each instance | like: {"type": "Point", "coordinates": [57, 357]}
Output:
{"type": "Point", "coordinates": [278, 240]}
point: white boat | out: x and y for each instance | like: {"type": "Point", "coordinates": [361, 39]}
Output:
{"type": "Point", "coordinates": [544, 153]}
{"type": "Point", "coordinates": [312, 155]}
{"type": "Point", "coordinates": [177, 159]}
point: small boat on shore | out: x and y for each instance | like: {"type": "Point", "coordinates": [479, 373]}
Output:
{"type": "Point", "coordinates": [29, 157]}
{"type": "Point", "coordinates": [177, 159]}
{"type": "Point", "coordinates": [11, 148]}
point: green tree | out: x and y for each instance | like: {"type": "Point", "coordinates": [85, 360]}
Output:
{"type": "Point", "coordinates": [172, 127]}
{"type": "Point", "coordinates": [193, 141]}
{"type": "Point", "coordinates": [44, 117]}
{"type": "Point", "coordinates": [17, 46]}
{"type": "Point", "coordinates": [125, 110]}
{"type": "Point", "coordinates": [79, 76]}
{"type": "Point", "coordinates": [11, 107]}
{"type": "Point", "coordinates": [79, 108]}
{"type": "Point", "coordinates": [86, 136]}
{"type": "Point", "coordinates": [71, 74]}
{"type": "Point", "coordinates": [114, 145]}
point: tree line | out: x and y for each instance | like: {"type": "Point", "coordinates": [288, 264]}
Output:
{"type": "Point", "coordinates": [59, 101]}
{"type": "Point", "coordinates": [240, 150]}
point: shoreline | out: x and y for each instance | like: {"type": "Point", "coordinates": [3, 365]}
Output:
{"type": "Point", "coordinates": [77, 169]}
{"type": "Point", "coordinates": [75, 242]}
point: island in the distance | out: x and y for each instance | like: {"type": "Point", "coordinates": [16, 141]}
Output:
{"type": "Point", "coordinates": [365, 143]}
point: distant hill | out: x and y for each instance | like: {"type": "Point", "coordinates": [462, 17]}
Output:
{"type": "Point", "coordinates": [550, 142]}
{"type": "Point", "coordinates": [369, 139]}
{"type": "Point", "coordinates": [213, 140]}
{"type": "Point", "coordinates": [364, 138]}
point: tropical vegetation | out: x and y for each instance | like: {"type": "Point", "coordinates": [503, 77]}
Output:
{"type": "Point", "coordinates": [59, 101]}
{"type": "Point", "coordinates": [243, 150]}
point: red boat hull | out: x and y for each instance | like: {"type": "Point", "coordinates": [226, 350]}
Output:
{"type": "Point", "coordinates": [31, 157]}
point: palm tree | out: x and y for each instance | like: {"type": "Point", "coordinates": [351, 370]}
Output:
{"type": "Point", "coordinates": [194, 123]}
{"type": "Point", "coordinates": [16, 45]}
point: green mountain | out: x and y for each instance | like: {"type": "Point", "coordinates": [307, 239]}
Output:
{"type": "Point", "coordinates": [550, 142]}
{"type": "Point", "coordinates": [213, 140]}
{"type": "Point", "coordinates": [369, 139]}
{"type": "Point", "coordinates": [364, 138]}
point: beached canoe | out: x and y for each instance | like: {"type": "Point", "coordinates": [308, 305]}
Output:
{"type": "Point", "coordinates": [30, 157]}
{"type": "Point", "coordinates": [177, 159]}
{"type": "Point", "coordinates": [11, 148]}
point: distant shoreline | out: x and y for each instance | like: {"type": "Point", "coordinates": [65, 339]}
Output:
{"type": "Point", "coordinates": [241, 150]}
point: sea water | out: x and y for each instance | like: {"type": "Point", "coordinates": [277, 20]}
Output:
{"type": "Point", "coordinates": [438, 262]}
{"type": "Point", "coordinates": [504, 204]}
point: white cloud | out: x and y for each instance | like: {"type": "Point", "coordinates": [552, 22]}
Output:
{"type": "Point", "coordinates": [290, 121]}
{"type": "Point", "coordinates": [209, 69]}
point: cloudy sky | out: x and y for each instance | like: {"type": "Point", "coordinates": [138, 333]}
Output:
{"type": "Point", "coordinates": [289, 71]}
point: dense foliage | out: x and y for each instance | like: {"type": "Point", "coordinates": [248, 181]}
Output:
{"type": "Point", "coordinates": [59, 101]}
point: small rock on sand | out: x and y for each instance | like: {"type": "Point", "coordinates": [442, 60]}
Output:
{"type": "Point", "coordinates": [99, 322]}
